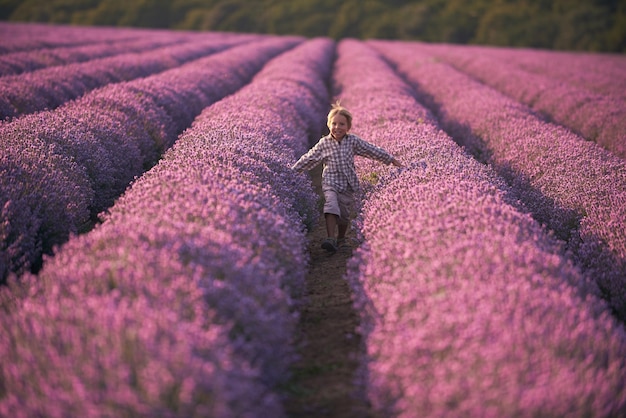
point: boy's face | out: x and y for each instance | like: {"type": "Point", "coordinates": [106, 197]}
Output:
{"type": "Point", "coordinates": [338, 126]}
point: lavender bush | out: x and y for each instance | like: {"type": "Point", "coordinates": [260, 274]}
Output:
{"type": "Point", "coordinates": [469, 307]}
{"type": "Point", "coordinates": [183, 301]}
{"type": "Point", "coordinates": [597, 72]}
{"type": "Point", "coordinates": [593, 104]}
{"type": "Point", "coordinates": [51, 87]}
{"type": "Point", "coordinates": [45, 197]}
{"type": "Point", "coordinates": [156, 352]}
{"type": "Point", "coordinates": [189, 290]}
{"type": "Point", "coordinates": [573, 186]}
{"type": "Point", "coordinates": [27, 61]}
{"type": "Point", "coordinates": [105, 139]}
{"type": "Point", "coordinates": [16, 36]}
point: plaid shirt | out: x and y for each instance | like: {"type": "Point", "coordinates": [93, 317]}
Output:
{"type": "Point", "coordinates": [338, 159]}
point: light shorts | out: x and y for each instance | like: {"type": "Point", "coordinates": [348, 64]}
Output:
{"type": "Point", "coordinates": [338, 203]}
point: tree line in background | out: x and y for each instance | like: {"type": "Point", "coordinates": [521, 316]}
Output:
{"type": "Point", "coordinates": [583, 25]}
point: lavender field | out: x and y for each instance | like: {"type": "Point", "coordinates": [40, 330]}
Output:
{"type": "Point", "coordinates": [153, 238]}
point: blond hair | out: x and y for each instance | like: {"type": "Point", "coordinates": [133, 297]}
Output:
{"type": "Point", "coordinates": [338, 109]}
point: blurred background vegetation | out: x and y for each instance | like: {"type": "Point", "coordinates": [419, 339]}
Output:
{"type": "Point", "coordinates": [583, 25]}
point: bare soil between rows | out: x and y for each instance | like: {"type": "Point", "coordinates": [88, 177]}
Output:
{"type": "Point", "coordinates": [323, 384]}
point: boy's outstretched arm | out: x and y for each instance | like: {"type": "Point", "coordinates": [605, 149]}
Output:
{"type": "Point", "coordinates": [396, 162]}
{"type": "Point", "coordinates": [309, 160]}
{"type": "Point", "coordinates": [369, 150]}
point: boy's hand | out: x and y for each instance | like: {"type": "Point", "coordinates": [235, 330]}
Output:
{"type": "Point", "coordinates": [396, 163]}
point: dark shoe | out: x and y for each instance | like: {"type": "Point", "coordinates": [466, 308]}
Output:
{"type": "Point", "coordinates": [330, 245]}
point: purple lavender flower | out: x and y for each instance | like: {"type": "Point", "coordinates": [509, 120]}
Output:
{"type": "Point", "coordinates": [188, 305]}
{"type": "Point", "coordinates": [573, 186]}
{"type": "Point", "coordinates": [584, 92]}
{"type": "Point", "coordinates": [469, 306]}
{"type": "Point", "coordinates": [99, 143]}
{"type": "Point", "coordinates": [27, 61]}
{"type": "Point", "coordinates": [49, 88]}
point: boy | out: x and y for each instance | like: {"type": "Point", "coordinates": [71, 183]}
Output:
{"type": "Point", "coordinates": [339, 180]}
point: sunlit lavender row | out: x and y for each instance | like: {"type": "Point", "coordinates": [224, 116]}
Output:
{"type": "Point", "coordinates": [26, 61]}
{"type": "Point", "coordinates": [27, 36]}
{"type": "Point", "coordinates": [51, 87]}
{"type": "Point", "coordinates": [601, 73]}
{"type": "Point", "coordinates": [61, 168]}
{"type": "Point", "coordinates": [184, 301]}
{"type": "Point", "coordinates": [469, 307]}
{"type": "Point", "coordinates": [599, 116]}
{"type": "Point", "coordinates": [573, 186]}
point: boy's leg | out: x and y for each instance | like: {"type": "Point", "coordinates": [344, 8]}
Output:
{"type": "Point", "coordinates": [331, 211]}
{"type": "Point", "coordinates": [343, 228]}
{"type": "Point", "coordinates": [346, 203]}
{"type": "Point", "coordinates": [331, 215]}
{"type": "Point", "coordinates": [330, 243]}
{"type": "Point", "coordinates": [331, 224]}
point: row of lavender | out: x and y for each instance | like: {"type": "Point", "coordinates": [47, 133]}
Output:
{"type": "Point", "coordinates": [469, 307]}
{"type": "Point", "coordinates": [600, 73]}
{"type": "Point", "coordinates": [184, 301]}
{"type": "Point", "coordinates": [27, 61]}
{"type": "Point", "coordinates": [574, 186]}
{"type": "Point", "coordinates": [61, 168]}
{"type": "Point", "coordinates": [30, 36]}
{"type": "Point", "coordinates": [394, 105]}
{"type": "Point", "coordinates": [585, 92]}
{"type": "Point", "coordinates": [51, 87]}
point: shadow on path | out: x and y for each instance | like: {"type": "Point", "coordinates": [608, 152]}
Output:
{"type": "Point", "coordinates": [323, 384]}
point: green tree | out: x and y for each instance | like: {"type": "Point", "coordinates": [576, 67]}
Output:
{"type": "Point", "coordinates": [584, 28]}
{"type": "Point", "coordinates": [147, 13]}
{"type": "Point", "coordinates": [414, 21]}
{"type": "Point", "coordinates": [56, 11]}
{"type": "Point", "coordinates": [507, 25]}
{"type": "Point", "coordinates": [104, 14]}
{"type": "Point", "coordinates": [457, 21]}
{"type": "Point", "coordinates": [7, 7]}
{"type": "Point", "coordinates": [616, 36]}
{"type": "Point", "coordinates": [594, 25]}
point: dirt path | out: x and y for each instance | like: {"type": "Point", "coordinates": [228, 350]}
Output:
{"type": "Point", "coordinates": [323, 383]}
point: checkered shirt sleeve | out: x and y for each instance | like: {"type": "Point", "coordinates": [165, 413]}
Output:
{"type": "Point", "coordinates": [338, 159]}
